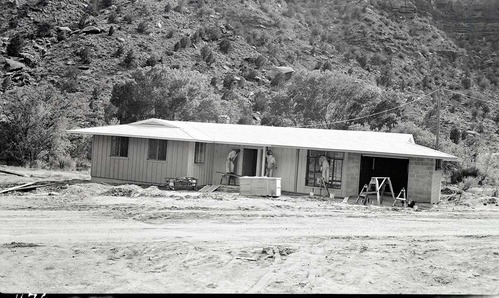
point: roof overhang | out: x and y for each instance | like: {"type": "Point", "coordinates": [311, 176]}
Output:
{"type": "Point", "coordinates": [368, 143]}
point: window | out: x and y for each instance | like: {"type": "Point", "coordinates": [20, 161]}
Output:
{"type": "Point", "coordinates": [438, 164]}
{"type": "Point", "coordinates": [119, 146]}
{"type": "Point", "coordinates": [314, 172]}
{"type": "Point", "coordinates": [157, 149]}
{"type": "Point", "coordinates": [199, 152]}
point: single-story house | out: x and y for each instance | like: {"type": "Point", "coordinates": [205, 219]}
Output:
{"type": "Point", "coordinates": [149, 151]}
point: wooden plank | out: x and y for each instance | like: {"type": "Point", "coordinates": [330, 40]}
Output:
{"type": "Point", "coordinates": [17, 187]}
{"type": "Point", "coordinates": [13, 173]}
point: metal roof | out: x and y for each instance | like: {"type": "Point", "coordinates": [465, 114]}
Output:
{"type": "Point", "coordinates": [365, 142]}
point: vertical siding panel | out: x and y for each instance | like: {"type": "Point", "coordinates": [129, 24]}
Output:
{"type": "Point", "coordinates": [96, 157]}
{"type": "Point", "coordinates": [101, 152]}
{"type": "Point", "coordinates": [143, 160]}
{"type": "Point", "coordinates": [107, 162]}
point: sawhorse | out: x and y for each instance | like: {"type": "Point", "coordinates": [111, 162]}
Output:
{"type": "Point", "coordinates": [376, 186]}
{"type": "Point", "coordinates": [229, 177]}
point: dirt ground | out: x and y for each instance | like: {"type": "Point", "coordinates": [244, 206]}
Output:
{"type": "Point", "coordinates": [82, 237]}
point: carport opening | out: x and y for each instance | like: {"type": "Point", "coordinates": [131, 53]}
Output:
{"type": "Point", "coordinates": [395, 168]}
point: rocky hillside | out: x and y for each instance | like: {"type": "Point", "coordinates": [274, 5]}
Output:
{"type": "Point", "coordinates": [251, 50]}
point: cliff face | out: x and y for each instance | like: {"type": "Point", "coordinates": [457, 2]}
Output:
{"type": "Point", "coordinates": [465, 19]}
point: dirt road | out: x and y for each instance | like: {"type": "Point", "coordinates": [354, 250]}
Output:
{"type": "Point", "coordinates": [85, 239]}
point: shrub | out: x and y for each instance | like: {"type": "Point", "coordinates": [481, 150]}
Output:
{"type": "Point", "coordinates": [170, 33]}
{"type": "Point", "coordinates": [82, 22]}
{"type": "Point", "coordinates": [111, 31]}
{"type": "Point", "coordinates": [85, 55]}
{"type": "Point", "coordinates": [260, 61]}
{"type": "Point", "coordinates": [327, 66]}
{"type": "Point", "coordinates": [176, 46]}
{"type": "Point", "coordinates": [225, 46]}
{"type": "Point", "coordinates": [44, 29]}
{"type": "Point", "coordinates": [168, 7]}
{"type": "Point", "coordinates": [185, 42]}
{"type": "Point", "coordinates": [229, 81]}
{"type": "Point", "coordinates": [130, 61]}
{"type": "Point", "coordinates": [213, 33]}
{"type": "Point", "coordinates": [106, 3]}
{"type": "Point", "coordinates": [15, 45]}
{"type": "Point", "coordinates": [214, 82]}
{"type": "Point", "coordinates": [455, 135]}
{"type": "Point", "coordinates": [205, 52]}
{"type": "Point", "coordinates": [128, 18]}
{"type": "Point", "coordinates": [64, 163]}
{"type": "Point", "coordinates": [142, 27]}
{"type": "Point", "coordinates": [196, 37]}
{"type": "Point", "coordinates": [7, 82]}
{"type": "Point", "coordinates": [70, 84]}
{"type": "Point", "coordinates": [13, 23]}
{"type": "Point", "coordinates": [112, 18]}
{"type": "Point", "coordinates": [277, 80]}
{"type": "Point", "coordinates": [152, 61]}
{"type": "Point", "coordinates": [179, 8]}
{"type": "Point", "coordinates": [61, 35]}
{"type": "Point", "coordinates": [119, 51]}
{"type": "Point", "coordinates": [362, 60]}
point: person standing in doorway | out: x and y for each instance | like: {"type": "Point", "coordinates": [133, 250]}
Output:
{"type": "Point", "coordinates": [229, 164]}
{"type": "Point", "coordinates": [271, 164]}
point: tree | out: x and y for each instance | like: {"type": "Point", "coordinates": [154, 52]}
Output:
{"type": "Point", "coordinates": [160, 92]}
{"type": "Point", "coordinates": [319, 98]}
{"type": "Point", "coordinates": [455, 135]}
{"type": "Point", "coordinates": [33, 125]}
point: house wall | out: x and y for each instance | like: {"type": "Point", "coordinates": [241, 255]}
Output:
{"type": "Point", "coordinates": [351, 174]}
{"type": "Point", "coordinates": [287, 167]}
{"type": "Point", "coordinates": [136, 167]}
{"type": "Point", "coordinates": [424, 181]}
{"type": "Point", "coordinates": [203, 172]}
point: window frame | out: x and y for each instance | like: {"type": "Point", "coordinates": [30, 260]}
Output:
{"type": "Point", "coordinates": [157, 150]}
{"type": "Point", "coordinates": [438, 164]}
{"type": "Point", "coordinates": [119, 147]}
{"type": "Point", "coordinates": [199, 153]}
{"type": "Point", "coordinates": [336, 161]}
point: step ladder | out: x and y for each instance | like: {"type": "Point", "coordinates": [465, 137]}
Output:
{"type": "Point", "coordinates": [401, 197]}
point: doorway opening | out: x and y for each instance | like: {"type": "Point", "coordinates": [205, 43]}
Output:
{"type": "Point", "coordinates": [250, 160]}
{"type": "Point", "coordinates": [395, 168]}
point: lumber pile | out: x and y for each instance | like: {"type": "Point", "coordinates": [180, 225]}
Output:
{"type": "Point", "coordinates": [25, 187]}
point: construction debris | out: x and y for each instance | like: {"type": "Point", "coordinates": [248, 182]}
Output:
{"type": "Point", "coordinates": [24, 187]}
{"type": "Point", "coordinates": [13, 173]}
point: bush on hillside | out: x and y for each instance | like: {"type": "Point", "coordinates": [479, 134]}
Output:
{"type": "Point", "coordinates": [225, 46]}
{"type": "Point", "coordinates": [142, 27]}
{"type": "Point", "coordinates": [15, 45]}
{"type": "Point", "coordinates": [130, 60]}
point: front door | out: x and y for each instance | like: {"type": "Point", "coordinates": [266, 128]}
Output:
{"type": "Point", "coordinates": [250, 158]}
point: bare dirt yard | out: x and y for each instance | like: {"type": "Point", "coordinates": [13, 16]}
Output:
{"type": "Point", "coordinates": [75, 236]}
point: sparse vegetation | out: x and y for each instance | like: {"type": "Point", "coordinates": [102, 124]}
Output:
{"type": "Point", "coordinates": [15, 45]}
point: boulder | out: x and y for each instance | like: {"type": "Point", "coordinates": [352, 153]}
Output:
{"type": "Point", "coordinates": [91, 30]}
{"type": "Point", "coordinates": [65, 29]}
{"type": "Point", "coordinates": [13, 65]}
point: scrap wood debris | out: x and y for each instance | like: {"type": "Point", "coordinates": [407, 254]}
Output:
{"type": "Point", "coordinates": [13, 173]}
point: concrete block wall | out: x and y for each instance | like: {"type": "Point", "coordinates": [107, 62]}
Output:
{"type": "Point", "coordinates": [351, 174]}
{"type": "Point", "coordinates": [422, 185]}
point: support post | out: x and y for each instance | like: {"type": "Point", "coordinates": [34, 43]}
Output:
{"type": "Point", "coordinates": [438, 120]}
